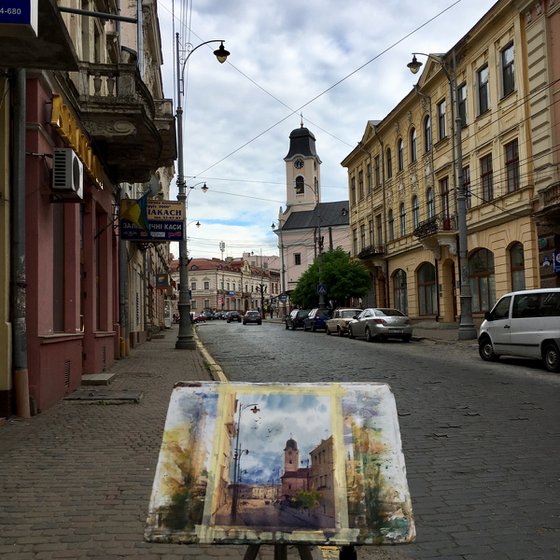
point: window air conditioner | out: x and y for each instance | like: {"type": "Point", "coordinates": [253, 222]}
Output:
{"type": "Point", "coordinates": [68, 173]}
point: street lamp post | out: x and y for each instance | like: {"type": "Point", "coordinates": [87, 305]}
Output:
{"type": "Point", "coordinates": [185, 340]}
{"type": "Point", "coordinates": [282, 269]}
{"type": "Point", "coordinates": [237, 452]}
{"type": "Point", "coordinates": [467, 330]}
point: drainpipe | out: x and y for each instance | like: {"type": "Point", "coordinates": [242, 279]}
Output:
{"type": "Point", "coordinates": [17, 255]}
{"type": "Point", "coordinates": [123, 288]}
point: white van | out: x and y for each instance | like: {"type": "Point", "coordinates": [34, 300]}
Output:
{"type": "Point", "coordinates": [526, 324]}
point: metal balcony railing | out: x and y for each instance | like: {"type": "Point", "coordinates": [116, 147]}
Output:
{"type": "Point", "coordinates": [438, 224]}
{"type": "Point", "coordinates": [371, 251]}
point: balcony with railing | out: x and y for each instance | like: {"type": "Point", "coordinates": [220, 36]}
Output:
{"type": "Point", "coordinates": [435, 225]}
{"type": "Point", "coordinates": [440, 230]}
{"type": "Point", "coordinates": [133, 133]}
{"type": "Point", "coordinates": [548, 205]}
{"type": "Point", "coordinates": [371, 251]}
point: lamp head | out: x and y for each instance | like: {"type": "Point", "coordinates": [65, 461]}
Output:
{"type": "Point", "coordinates": [198, 224]}
{"type": "Point", "coordinates": [414, 65]}
{"type": "Point", "coordinates": [221, 54]}
{"type": "Point", "coordinates": [204, 188]}
{"type": "Point", "coordinates": [273, 225]}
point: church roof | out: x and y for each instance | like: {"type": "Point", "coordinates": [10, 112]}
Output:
{"type": "Point", "coordinates": [302, 142]}
{"type": "Point", "coordinates": [324, 214]}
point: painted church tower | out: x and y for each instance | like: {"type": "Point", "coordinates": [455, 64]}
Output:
{"type": "Point", "coordinates": [303, 171]}
{"type": "Point", "coordinates": [291, 456]}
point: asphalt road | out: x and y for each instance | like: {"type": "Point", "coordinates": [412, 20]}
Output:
{"type": "Point", "coordinates": [481, 440]}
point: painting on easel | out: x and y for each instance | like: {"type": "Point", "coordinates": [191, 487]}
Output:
{"type": "Point", "coordinates": [305, 463]}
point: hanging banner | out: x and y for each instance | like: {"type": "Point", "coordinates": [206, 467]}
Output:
{"type": "Point", "coordinates": [151, 220]}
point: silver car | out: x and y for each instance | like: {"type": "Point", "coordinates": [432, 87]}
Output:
{"type": "Point", "coordinates": [380, 323]}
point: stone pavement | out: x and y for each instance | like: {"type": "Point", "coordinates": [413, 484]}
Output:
{"type": "Point", "coordinates": [75, 481]}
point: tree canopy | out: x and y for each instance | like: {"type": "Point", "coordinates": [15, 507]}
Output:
{"type": "Point", "coordinates": [344, 278]}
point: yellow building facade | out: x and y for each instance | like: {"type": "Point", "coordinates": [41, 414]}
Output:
{"type": "Point", "coordinates": [405, 174]}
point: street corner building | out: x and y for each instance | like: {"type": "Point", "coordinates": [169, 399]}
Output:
{"type": "Point", "coordinates": [83, 124]}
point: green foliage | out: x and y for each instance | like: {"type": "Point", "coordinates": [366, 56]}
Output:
{"type": "Point", "coordinates": [307, 499]}
{"type": "Point", "coordinates": [344, 277]}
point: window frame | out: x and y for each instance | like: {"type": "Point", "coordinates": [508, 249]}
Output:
{"type": "Point", "coordinates": [462, 103]}
{"type": "Point", "coordinates": [400, 155]}
{"type": "Point", "coordinates": [511, 157]}
{"type": "Point", "coordinates": [487, 177]}
{"type": "Point", "coordinates": [413, 145]}
{"type": "Point", "coordinates": [427, 134]}
{"type": "Point", "coordinates": [442, 119]}
{"type": "Point", "coordinates": [389, 162]}
{"type": "Point", "coordinates": [482, 89]}
{"type": "Point", "coordinates": [507, 68]}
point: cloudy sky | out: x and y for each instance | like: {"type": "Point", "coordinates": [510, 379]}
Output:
{"type": "Point", "coordinates": [339, 64]}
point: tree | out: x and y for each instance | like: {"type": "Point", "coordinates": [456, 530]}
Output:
{"type": "Point", "coordinates": [344, 278]}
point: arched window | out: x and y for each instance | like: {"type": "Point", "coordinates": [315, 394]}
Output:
{"type": "Point", "coordinates": [415, 212]}
{"type": "Point", "coordinates": [517, 265]}
{"type": "Point", "coordinates": [389, 163]}
{"type": "Point", "coordinates": [427, 290]}
{"type": "Point", "coordinates": [413, 150]}
{"type": "Point", "coordinates": [299, 184]}
{"type": "Point", "coordinates": [400, 294]}
{"type": "Point", "coordinates": [391, 221]}
{"type": "Point", "coordinates": [430, 203]}
{"type": "Point", "coordinates": [400, 154]}
{"type": "Point", "coordinates": [427, 133]}
{"type": "Point", "coordinates": [403, 218]}
{"type": "Point", "coordinates": [481, 277]}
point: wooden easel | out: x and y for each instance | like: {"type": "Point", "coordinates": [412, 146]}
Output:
{"type": "Point", "coordinates": [281, 552]}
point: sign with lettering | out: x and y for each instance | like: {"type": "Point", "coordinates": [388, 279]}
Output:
{"type": "Point", "coordinates": [302, 464]}
{"type": "Point", "coordinates": [151, 220]}
{"type": "Point", "coordinates": [18, 17]}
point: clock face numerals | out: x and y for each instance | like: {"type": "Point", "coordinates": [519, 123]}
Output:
{"type": "Point", "coordinates": [298, 164]}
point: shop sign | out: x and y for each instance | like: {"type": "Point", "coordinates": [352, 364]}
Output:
{"type": "Point", "coordinates": [68, 127]}
{"type": "Point", "coordinates": [18, 17]}
{"type": "Point", "coordinates": [151, 220]}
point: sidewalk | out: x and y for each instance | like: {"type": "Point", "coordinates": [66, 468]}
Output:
{"type": "Point", "coordinates": [76, 479]}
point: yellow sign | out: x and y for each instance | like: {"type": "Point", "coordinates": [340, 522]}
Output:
{"type": "Point", "coordinates": [68, 127]}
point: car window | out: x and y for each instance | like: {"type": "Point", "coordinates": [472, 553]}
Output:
{"type": "Point", "coordinates": [348, 313]}
{"type": "Point", "coordinates": [390, 312]}
{"type": "Point", "coordinates": [550, 304]}
{"type": "Point", "coordinates": [501, 309]}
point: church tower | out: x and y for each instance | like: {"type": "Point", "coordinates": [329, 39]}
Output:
{"type": "Point", "coordinates": [291, 456]}
{"type": "Point", "coordinates": [303, 171]}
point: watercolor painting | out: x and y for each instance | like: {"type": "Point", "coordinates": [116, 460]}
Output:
{"type": "Point", "coordinates": [267, 463]}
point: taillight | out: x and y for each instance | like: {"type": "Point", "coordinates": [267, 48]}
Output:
{"type": "Point", "coordinates": [380, 321]}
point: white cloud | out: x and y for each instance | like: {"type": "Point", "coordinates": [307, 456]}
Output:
{"type": "Point", "coordinates": [293, 52]}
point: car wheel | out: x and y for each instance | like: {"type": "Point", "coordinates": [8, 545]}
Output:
{"type": "Point", "coordinates": [486, 350]}
{"type": "Point", "coordinates": [313, 329]}
{"type": "Point", "coordinates": [551, 357]}
{"type": "Point", "coordinates": [339, 331]}
{"type": "Point", "coordinates": [406, 338]}
{"type": "Point", "coordinates": [350, 333]}
{"type": "Point", "coordinates": [327, 330]}
{"type": "Point", "coordinates": [259, 323]}
{"type": "Point", "coordinates": [287, 327]}
{"type": "Point", "coordinates": [369, 338]}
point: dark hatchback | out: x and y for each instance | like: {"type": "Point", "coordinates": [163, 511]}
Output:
{"type": "Point", "coordinates": [232, 316]}
{"type": "Point", "coordinates": [316, 320]}
{"type": "Point", "coordinates": [296, 318]}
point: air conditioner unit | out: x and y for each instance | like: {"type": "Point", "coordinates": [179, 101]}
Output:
{"type": "Point", "coordinates": [68, 173]}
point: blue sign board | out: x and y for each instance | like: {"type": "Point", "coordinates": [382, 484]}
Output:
{"type": "Point", "coordinates": [556, 260]}
{"type": "Point", "coordinates": [321, 289]}
{"type": "Point", "coordinates": [21, 14]}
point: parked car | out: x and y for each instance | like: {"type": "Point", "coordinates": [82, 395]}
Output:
{"type": "Point", "coordinates": [380, 323]}
{"type": "Point", "coordinates": [340, 320]}
{"type": "Point", "coordinates": [316, 320]}
{"type": "Point", "coordinates": [252, 317]}
{"type": "Point", "coordinates": [220, 315]}
{"type": "Point", "coordinates": [295, 319]}
{"type": "Point", "coordinates": [233, 316]}
{"type": "Point", "coordinates": [208, 314]}
{"type": "Point", "coordinates": [199, 318]}
{"type": "Point", "coordinates": [524, 323]}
